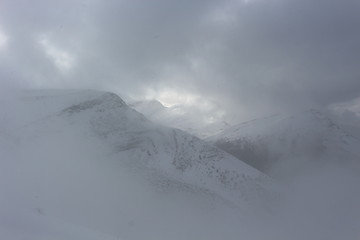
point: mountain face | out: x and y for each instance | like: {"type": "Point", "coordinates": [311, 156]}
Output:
{"type": "Point", "coordinates": [287, 143]}
{"type": "Point", "coordinates": [182, 117]}
{"type": "Point", "coordinates": [87, 158]}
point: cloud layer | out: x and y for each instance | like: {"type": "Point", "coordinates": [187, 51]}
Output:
{"type": "Point", "coordinates": [251, 57]}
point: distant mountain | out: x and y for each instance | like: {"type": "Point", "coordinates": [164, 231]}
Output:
{"type": "Point", "coordinates": [89, 159]}
{"type": "Point", "coordinates": [148, 108]}
{"type": "Point", "coordinates": [287, 143]}
{"type": "Point", "coordinates": [182, 117]}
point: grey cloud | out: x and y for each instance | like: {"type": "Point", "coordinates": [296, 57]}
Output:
{"type": "Point", "coordinates": [255, 58]}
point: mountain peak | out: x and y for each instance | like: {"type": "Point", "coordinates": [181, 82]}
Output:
{"type": "Point", "coordinates": [104, 119]}
{"type": "Point", "coordinates": [110, 100]}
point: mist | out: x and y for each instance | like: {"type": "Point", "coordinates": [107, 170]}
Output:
{"type": "Point", "coordinates": [236, 119]}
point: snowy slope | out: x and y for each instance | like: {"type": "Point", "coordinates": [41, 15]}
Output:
{"type": "Point", "coordinates": [289, 141]}
{"type": "Point", "coordinates": [186, 118]}
{"type": "Point", "coordinates": [87, 159]}
{"type": "Point", "coordinates": [32, 225]}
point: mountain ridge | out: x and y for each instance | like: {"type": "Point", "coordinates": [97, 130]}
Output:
{"type": "Point", "coordinates": [310, 134]}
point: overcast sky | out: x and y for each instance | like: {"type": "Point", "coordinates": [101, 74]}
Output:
{"type": "Point", "coordinates": [250, 57]}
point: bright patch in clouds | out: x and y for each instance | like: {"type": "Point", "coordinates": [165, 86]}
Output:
{"type": "Point", "coordinates": [3, 40]}
{"type": "Point", "coordinates": [63, 60]}
{"type": "Point", "coordinates": [170, 97]}
{"type": "Point", "coordinates": [184, 103]}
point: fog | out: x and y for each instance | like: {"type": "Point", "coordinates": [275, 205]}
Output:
{"type": "Point", "coordinates": [105, 171]}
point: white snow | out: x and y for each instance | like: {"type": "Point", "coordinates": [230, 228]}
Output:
{"type": "Point", "coordinates": [291, 139]}
{"type": "Point", "coordinates": [83, 165]}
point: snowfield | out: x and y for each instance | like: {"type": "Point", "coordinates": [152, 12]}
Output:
{"type": "Point", "coordinates": [286, 144]}
{"type": "Point", "coordinates": [86, 159]}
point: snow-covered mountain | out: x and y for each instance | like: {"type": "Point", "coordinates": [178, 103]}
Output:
{"type": "Point", "coordinates": [183, 117]}
{"type": "Point", "coordinates": [289, 142]}
{"type": "Point", "coordinates": [86, 158]}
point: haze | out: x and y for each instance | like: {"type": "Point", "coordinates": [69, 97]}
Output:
{"type": "Point", "coordinates": [179, 119]}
